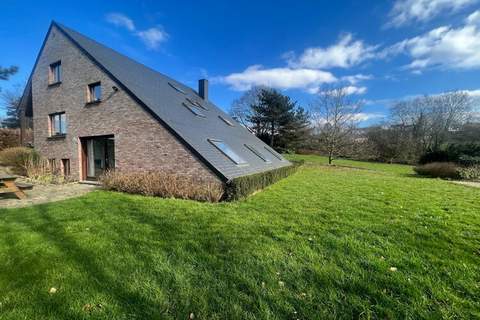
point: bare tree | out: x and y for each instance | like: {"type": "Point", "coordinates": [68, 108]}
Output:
{"type": "Point", "coordinates": [241, 108]}
{"type": "Point", "coordinates": [335, 118]}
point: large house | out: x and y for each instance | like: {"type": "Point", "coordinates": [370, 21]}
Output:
{"type": "Point", "coordinates": [94, 109]}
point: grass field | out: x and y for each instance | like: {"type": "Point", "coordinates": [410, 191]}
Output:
{"type": "Point", "coordinates": [327, 242]}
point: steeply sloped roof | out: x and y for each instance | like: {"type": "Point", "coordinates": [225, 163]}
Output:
{"type": "Point", "coordinates": [154, 91]}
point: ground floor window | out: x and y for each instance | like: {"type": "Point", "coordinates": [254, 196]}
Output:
{"type": "Point", "coordinates": [66, 167]}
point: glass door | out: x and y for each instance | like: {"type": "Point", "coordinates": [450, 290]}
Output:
{"type": "Point", "coordinates": [100, 154]}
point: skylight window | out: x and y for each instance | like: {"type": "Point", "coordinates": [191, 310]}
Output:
{"type": "Point", "coordinates": [274, 153]}
{"type": "Point", "coordinates": [176, 88]}
{"type": "Point", "coordinates": [228, 122]}
{"type": "Point", "coordinates": [227, 151]}
{"type": "Point", "coordinates": [195, 110]}
{"type": "Point", "coordinates": [196, 103]}
{"type": "Point", "coordinates": [257, 153]}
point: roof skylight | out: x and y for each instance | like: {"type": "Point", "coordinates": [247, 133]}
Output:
{"type": "Point", "coordinates": [274, 153]}
{"type": "Point", "coordinates": [227, 151]}
{"type": "Point", "coordinates": [195, 110]}
{"type": "Point", "coordinates": [196, 103]}
{"type": "Point", "coordinates": [228, 122]}
{"type": "Point", "coordinates": [176, 88]}
{"type": "Point", "coordinates": [257, 153]}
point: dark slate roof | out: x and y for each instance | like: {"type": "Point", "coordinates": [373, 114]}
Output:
{"type": "Point", "coordinates": [154, 92]}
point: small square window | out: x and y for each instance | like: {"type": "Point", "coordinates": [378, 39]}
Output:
{"type": "Point", "coordinates": [95, 92]}
{"type": "Point", "coordinates": [227, 151]}
{"type": "Point", "coordinates": [55, 73]}
{"type": "Point", "coordinates": [58, 124]}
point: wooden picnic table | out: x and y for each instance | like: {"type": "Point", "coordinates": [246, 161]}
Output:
{"type": "Point", "coordinates": [8, 185]}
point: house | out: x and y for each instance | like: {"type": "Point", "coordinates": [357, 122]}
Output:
{"type": "Point", "coordinates": [94, 109]}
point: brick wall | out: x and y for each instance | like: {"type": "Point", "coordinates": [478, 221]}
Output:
{"type": "Point", "coordinates": [141, 142]}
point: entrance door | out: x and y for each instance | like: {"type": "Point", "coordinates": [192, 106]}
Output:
{"type": "Point", "coordinates": [99, 155]}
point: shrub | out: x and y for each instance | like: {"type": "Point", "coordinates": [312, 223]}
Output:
{"type": "Point", "coordinates": [40, 171]}
{"type": "Point", "coordinates": [9, 138]}
{"type": "Point", "coordinates": [468, 161]}
{"type": "Point", "coordinates": [444, 170]}
{"type": "Point", "coordinates": [436, 156]}
{"type": "Point", "coordinates": [455, 152]}
{"type": "Point", "coordinates": [241, 187]}
{"type": "Point", "coordinates": [163, 185]}
{"type": "Point", "coordinates": [469, 173]}
{"type": "Point", "coordinates": [16, 158]}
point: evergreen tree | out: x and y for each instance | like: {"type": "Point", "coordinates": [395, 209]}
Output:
{"type": "Point", "coordinates": [277, 120]}
{"type": "Point", "coordinates": [5, 73]}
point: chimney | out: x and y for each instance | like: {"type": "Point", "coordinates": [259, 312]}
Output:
{"type": "Point", "coordinates": [203, 88]}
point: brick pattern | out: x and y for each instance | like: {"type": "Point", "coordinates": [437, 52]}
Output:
{"type": "Point", "coordinates": [141, 142]}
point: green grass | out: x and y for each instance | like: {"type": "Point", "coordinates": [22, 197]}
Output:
{"type": "Point", "coordinates": [317, 245]}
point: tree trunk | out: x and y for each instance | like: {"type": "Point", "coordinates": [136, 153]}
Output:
{"type": "Point", "coordinates": [272, 130]}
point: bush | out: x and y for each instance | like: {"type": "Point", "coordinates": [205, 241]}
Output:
{"type": "Point", "coordinates": [9, 138]}
{"type": "Point", "coordinates": [446, 170]}
{"type": "Point", "coordinates": [469, 173]}
{"type": "Point", "coordinates": [39, 170]}
{"type": "Point", "coordinates": [16, 158]}
{"type": "Point", "coordinates": [241, 187]}
{"type": "Point", "coordinates": [458, 153]}
{"type": "Point", "coordinates": [163, 185]}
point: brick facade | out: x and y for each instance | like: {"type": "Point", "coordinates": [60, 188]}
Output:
{"type": "Point", "coordinates": [141, 142]}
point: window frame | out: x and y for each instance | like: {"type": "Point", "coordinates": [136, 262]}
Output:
{"type": "Point", "coordinates": [274, 153]}
{"type": "Point", "coordinates": [195, 110]}
{"type": "Point", "coordinates": [258, 153]}
{"type": "Point", "coordinates": [228, 152]}
{"type": "Point", "coordinates": [55, 73]}
{"type": "Point", "coordinates": [91, 93]}
{"type": "Point", "coordinates": [52, 126]}
{"type": "Point", "coordinates": [226, 121]}
{"type": "Point", "coordinates": [174, 86]}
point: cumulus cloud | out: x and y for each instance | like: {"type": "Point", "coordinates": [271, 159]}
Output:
{"type": "Point", "coordinates": [151, 37]}
{"type": "Point", "coordinates": [445, 47]}
{"type": "Point", "coordinates": [346, 53]}
{"type": "Point", "coordinates": [356, 78]}
{"type": "Point", "coordinates": [281, 78]}
{"type": "Point", "coordinates": [408, 11]}
{"type": "Point", "coordinates": [120, 20]}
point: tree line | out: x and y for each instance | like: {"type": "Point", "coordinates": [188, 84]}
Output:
{"type": "Point", "coordinates": [330, 124]}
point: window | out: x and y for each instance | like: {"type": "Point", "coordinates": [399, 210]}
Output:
{"type": "Point", "coordinates": [196, 103]}
{"type": "Point", "coordinates": [176, 88]}
{"type": "Point", "coordinates": [66, 167]}
{"type": "Point", "coordinates": [226, 150]}
{"type": "Point", "coordinates": [228, 122]}
{"type": "Point", "coordinates": [258, 153]}
{"type": "Point", "coordinates": [195, 110]}
{"type": "Point", "coordinates": [94, 92]}
{"type": "Point", "coordinates": [55, 73]}
{"type": "Point", "coordinates": [274, 153]}
{"type": "Point", "coordinates": [58, 124]}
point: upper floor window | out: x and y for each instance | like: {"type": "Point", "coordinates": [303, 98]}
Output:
{"type": "Point", "coordinates": [274, 153]}
{"type": "Point", "coordinates": [58, 124]}
{"type": "Point", "coordinates": [228, 122]}
{"type": "Point", "coordinates": [257, 153]}
{"type": "Point", "coordinates": [194, 109]}
{"type": "Point", "coordinates": [94, 92]}
{"type": "Point", "coordinates": [55, 73]}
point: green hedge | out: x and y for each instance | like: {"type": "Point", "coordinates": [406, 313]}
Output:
{"type": "Point", "coordinates": [241, 187]}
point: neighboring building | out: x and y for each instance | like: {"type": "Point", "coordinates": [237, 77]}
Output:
{"type": "Point", "coordinates": [94, 109]}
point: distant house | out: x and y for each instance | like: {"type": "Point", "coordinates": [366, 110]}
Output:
{"type": "Point", "coordinates": [94, 109]}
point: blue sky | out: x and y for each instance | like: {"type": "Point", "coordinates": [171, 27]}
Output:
{"type": "Point", "coordinates": [381, 50]}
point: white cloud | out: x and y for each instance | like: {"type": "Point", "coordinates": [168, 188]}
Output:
{"type": "Point", "coordinates": [365, 116]}
{"type": "Point", "coordinates": [349, 90]}
{"type": "Point", "coordinates": [346, 53]}
{"type": "Point", "coordinates": [356, 78]}
{"type": "Point", "coordinates": [120, 20]}
{"type": "Point", "coordinates": [445, 47]}
{"type": "Point", "coordinates": [280, 78]}
{"type": "Point", "coordinates": [153, 37]}
{"type": "Point", "coordinates": [407, 11]}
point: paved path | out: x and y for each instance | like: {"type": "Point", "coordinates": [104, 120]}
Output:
{"type": "Point", "coordinates": [468, 183]}
{"type": "Point", "coordinates": [46, 193]}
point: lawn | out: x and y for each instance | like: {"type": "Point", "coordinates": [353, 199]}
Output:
{"type": "Point", "coordinates": [327, 242]}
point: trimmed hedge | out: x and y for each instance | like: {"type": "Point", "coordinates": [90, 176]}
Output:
{"type": "Point", "coordinates": [241, 187]}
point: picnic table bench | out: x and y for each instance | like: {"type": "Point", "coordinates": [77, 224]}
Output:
{"type": "Point", "coordinates": [8, 185]}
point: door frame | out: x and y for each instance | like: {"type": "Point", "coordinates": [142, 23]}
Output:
{"type": "Point", "coordinates": [84, 154]}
